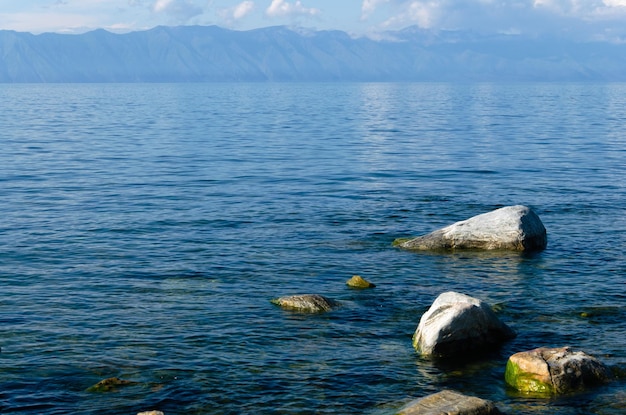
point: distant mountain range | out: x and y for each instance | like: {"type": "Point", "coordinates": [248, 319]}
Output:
{"type": "Point", "coordinates": [214, 54]}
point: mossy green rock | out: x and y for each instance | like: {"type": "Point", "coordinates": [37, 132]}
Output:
{"type": "Point", "coordinates": [551, 371]}
{"type": "Point", "coordinates": [109, 385]}
{"type": "Point", "coordinates": [525, 381]}
{"type": "Point", "coordinates": [359, 282]}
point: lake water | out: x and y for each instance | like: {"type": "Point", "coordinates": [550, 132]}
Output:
{"type": "Point", "coordinates": [145, 228]}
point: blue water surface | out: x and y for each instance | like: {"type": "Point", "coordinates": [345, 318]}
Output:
{"type": "Point", "coordinates": [144, 229]}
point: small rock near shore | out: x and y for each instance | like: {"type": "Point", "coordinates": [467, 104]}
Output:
{"type": "Point", "coordinates": [359, 282]}
{"type": "Point", "coordinates": [449, 403]}
{"type": "Point", "coordinates": [553, 371]}
{"type": "Point", "coordinates": [110, 384]}
{"type": "Point", "coordinates": [151, 413]}
{"type": "Point", "coordinates": [310, 303]}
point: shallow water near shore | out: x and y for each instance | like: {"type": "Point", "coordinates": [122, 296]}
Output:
{"type": "Point", "coordinates": [145, 229]}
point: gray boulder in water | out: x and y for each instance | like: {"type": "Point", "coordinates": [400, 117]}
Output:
{"type": "Point", "coordinates": [457, 323]}
{"type": "Point", "coordinates": [551, 371]}
{"type": "Point", "coordinates": [308, 303]}
{"type": "Point", "coordinates": [507, 228]}
{"type": "Point", "coordinates": [449, 403]}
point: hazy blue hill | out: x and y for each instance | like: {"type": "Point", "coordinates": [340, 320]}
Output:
{"type": "Point", "coordinates": [214, 54]}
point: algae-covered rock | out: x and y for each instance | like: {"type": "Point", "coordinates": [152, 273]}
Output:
{"type": "Point", "coordinates": [457, 323]}
{"type": "Point", "coordinates": [546, 371]}
{"type": "Point", "coordinates": [309, 303]}
{"type": "Point", "coordinates": [509, 228]}
{"type": "Point", "coordinates": [110, 384]}
{"type": "Point", "coordinates": [449, 403]}
{"type": "Point", "coordinates": [151, 413]}
{"type": "Point", "coordinates": [359, 282]}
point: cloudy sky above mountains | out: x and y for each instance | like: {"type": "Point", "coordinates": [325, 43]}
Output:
{"type": "Point", "coordinates": [581, 19]}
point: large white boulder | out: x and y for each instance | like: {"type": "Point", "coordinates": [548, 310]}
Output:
{"type": "Point", "coordinates": [449, 403]}
{"type": "Point", "coordinates": [554, 371]}
{"type": "Point", "coordinates": [510, 228]}
{"type": "Point", "coordinates": [456, 323]}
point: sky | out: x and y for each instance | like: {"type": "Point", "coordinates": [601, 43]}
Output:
{"type": "Point", "coordinates": [586, 19]}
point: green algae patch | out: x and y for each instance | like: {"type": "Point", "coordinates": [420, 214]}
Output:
{"type": "Point", "coordinates": [618, 371]}
{"type": "Point", "coordinates": [110, 385]}
{"type": "Point", "coordinates": [600, 315]}
{"type": "Point", "coordinates": [498, 307]}
{"type": "Point", "coordinates": [526, 382]}
{"type": "Point", "coordinates": [400, 241]}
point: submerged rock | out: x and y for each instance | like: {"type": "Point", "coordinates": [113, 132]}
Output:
{"type": "Point", "coordinates": [449, 403]}
{"type": "Point", "coordinates": [359, 282]}
{"type": "Point", "coordinates": [510, 228]}
{"type": "Point", "coordinates": [310, 303]}
{"type": "Point", "coordinates": [554, 371]}
{"type": "Point", "coordinates": [457, 323]}
{"type": "Point", "coordinates": [110, 384]}
{"type": "Point", "coordinates": [151, 413]}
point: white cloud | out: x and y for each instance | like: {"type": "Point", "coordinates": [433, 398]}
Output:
{"type": "Point", "coordinates": [243, 9]}
{"type": "Point", "coordinates": [162, 5]}
{"type": "Point", "coordinates": [564, 7]}
{"type": "Point", "coordinates": [121, 27]}
{"type": "Point", "coordinates": [369, 6]}
{"type": "Point", "coordinates": [48, 22]}
{"type": "Point", "coordinates": [497, 16]}
{"type": "Point", "coordinates": [580, 8]}
{"type": "Point", "coordinates": [280, 8]}
{"type": "Point", "coordinates": [423, 13]}
{"type": "Point", "coordinates": [232, 15]}
{"type": "Point", "coordinates": [178, 10]}
{"type": "Point", "coordinates": [584, 10]}
{"type": "Point", "coordinates": [575, 18]}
